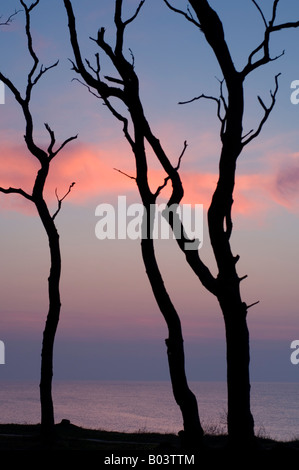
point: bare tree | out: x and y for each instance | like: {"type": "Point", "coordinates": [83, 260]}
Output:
{"type": "Point", "coordinates": [230, 107]}
{"type": "Point", "coordinates": [230, 111]}
{"type": "Point", "coordinates": [44, 157]}
{"type": "Point", "coordinates": [126, 90]}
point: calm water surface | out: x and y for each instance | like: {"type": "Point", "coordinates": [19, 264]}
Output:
{"type": "Point", "coordinates": [149, 406]}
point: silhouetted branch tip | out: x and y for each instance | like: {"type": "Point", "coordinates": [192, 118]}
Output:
{"type": "Point", "coordinates": [9, 19]}
{"type": "Point", "coordinates": [261, 13]}
{"type": "Point", "coordinates": [133, 58]}
{"type": "Point", "coordinates": [187, 15]}
{"type": "Point", "coordinates": [114, 80]}
{"type": "Point", "coordinates": [88, 88]}
{"type": "Point", "coordinates": [252, 305]}
{"type": "Point", "coordinates": [125, 174]}
{"type": "Point", "coordinates": [135, 14]}
{"type": "Point", "coordinates": [267, 111]}
{"type": "Point", "coordinates": [60, 200]}
{"type": "Point", "coordinates": [159, 189]}
{"type": "Point", "coordinates": [181, 156]}
{"type": "Point", "coordinates": [236, 258]}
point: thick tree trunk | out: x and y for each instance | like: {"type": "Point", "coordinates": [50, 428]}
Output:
{"type": "Point", "coordinates": [47, 408]}
{"type": "Point", "coordinates": [239, 419]}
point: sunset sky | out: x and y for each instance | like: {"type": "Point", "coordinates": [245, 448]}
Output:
{"type": "Point", "coordinates": [110, 326]}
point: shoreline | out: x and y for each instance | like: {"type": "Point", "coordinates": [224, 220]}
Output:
{"type": "Point", "coordinates": [72, 438]}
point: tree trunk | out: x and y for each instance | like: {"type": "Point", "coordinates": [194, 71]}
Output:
{"type": "Point", "coordinates": [239, 419]}
{"type": "Point", "coordinates": [47, 408]}
{"type": "Point", "coordinates": [192, 435]}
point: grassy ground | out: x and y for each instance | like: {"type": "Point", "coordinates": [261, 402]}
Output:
{"type": "Point", "coordinates": [22, 439]}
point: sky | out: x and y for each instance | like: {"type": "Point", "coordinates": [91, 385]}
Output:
{"type": "Point", "coordinates": [111, 327]}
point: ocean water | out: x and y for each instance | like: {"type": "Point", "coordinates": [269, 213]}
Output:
{"type": "Point", "coordinates": [150, 406]}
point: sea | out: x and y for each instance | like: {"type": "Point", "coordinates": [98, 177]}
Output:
{"type": "Point", "coordinates": [150, 406]}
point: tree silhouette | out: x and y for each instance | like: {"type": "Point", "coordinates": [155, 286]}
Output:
{"type": "Point", "coordinates": [44, 157]}
{"type": "Point", "coordinates": [126, 90]}
{"type": "Point", "coordinates": [230, 111]}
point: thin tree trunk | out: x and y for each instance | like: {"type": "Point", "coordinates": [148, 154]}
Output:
{"type": "Point", "coordinates": [192, 435]}
{"type": "Point", "coordinates": [47, 408]}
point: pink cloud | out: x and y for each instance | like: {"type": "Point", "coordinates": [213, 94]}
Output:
{"type": "Point", "coordinates": [92, 168]}
{"type": "Point", "coordinates": [286, 184]}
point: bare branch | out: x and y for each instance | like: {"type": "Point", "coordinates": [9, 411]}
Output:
{"type": "Point", "coordinates": [79, 67]}
{"type": "Point", "coordinates": [288, 25]}
{"type": "Point", "coordinates": [187, 15]}
{"type": "Point", "coordinates": [246, 135]}
{"type": "Point", "coordinates": [97, 70]}
{"type": "Point", "coordinates": [9, 19]}
{"type": "Point", "coordinates": [133, 58]}
{"type": "Point", "coordinates": [30, 44]}
{"type": "Point", "coordinates": [264, 45]}
{"type": "Point", "coordinates": [125, 174]}
{"type": "Point", "coordinates": [62, 146]}
{"type": "Point", "coordinates": [267, 112]}
{"type": "Point", "coordinates": [60, 200]}
{"type": "Point", "coordinates": [261, 13]}
{"type": "Point", "coordinates": [123, 120]}
{"type": "Point", "coordinates": [218, 101]}
{"type": "Point", "coordinates": [135, 14]}
{"type": "Point", "coordinates": [43, 70]}
{"type": "Point", "coordinates": [251, 305]}
{"type": "Point", "coordinates": [200, 97]}
{"type": "Point", "coordinates": [181, 155]}
{"type": "Point", "coordinates": [88, 88]}
{"type": "Point", "coordinates": [114, 80]}
{"type": "Point", "coordinates": [159, 189]}
{"type": "Point", "coordinates": [16, 191]}
{"type": "Point", "coordinates": [52, 137]}
{"type": "Point", "coordinates": [52, 153]}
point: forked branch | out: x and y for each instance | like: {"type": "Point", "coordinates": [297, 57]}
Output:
{"type": "Point", "coordinates": [187, 15]}
{"type": "Point", "coordinates": [270, 27]}
{"type": "Point", "coordinates": [267, 111]}
{"type": "Point", "coordinates": [60, 200]}
{"type": "Point", "coordinates": [9, 19]}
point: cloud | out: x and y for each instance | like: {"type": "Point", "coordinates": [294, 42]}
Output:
{"type": "Point", "coordinates": [92, 168]}
{"type": "Point", "coordinates": [287, 182]}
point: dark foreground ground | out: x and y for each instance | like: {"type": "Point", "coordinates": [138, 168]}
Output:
{"type": "Point", "coordinates": [138, 450]}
